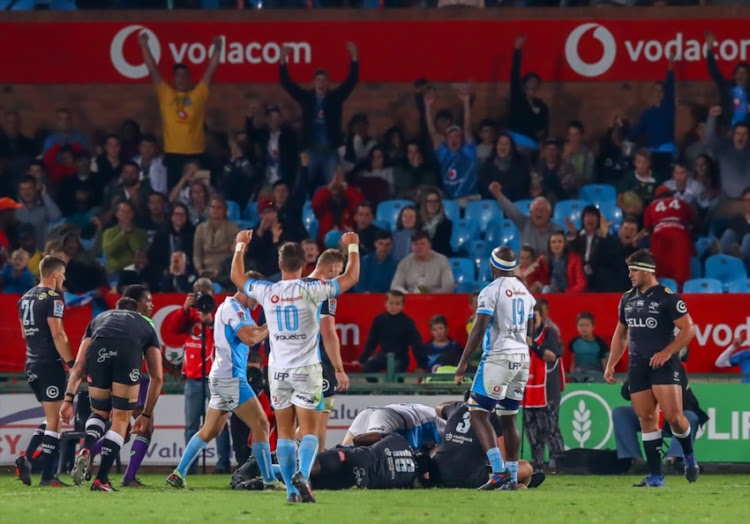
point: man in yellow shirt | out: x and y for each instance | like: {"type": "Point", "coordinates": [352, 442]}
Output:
{"type": "Point", "coordinates": [183, 109]}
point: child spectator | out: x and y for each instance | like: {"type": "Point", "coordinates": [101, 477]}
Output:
{"type": "Point", "coordinates": [15, 277]}
{"type": "Point", "coordinates": [531, 270]}
{"type": "Point", "coordinates": [441, 350]}
{"type": "Point", "coordinates": [312, 252]}
{"type": "Point", "coordinates": [588, 351]}
{"type": "Point", "coordinates": [393, 331]}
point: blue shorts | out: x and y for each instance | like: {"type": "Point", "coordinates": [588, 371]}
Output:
{"type": "Point", "coordinates": [229, 393]}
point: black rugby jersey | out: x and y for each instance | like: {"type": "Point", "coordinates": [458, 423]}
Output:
{"type": "Point", "coordinates": [34, 308]}
{"type": "Point", "coordinates": [650, 318]}
{"type": "Point", "coordinates": [127, 326]}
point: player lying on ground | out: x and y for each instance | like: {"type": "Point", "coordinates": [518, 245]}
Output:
{"type": "Point", "coordinates": [234, 333]}
{"type": "Point", "coordinates": [419, 424]}
{"type": "Point", "coordinates": [112, 353]}
{"type": "Point", "coordinates": [648, 314]}
{"type": "Point", "coordinates": [295, 374]}
{"type": "Point", "coordinates": [505, 308]}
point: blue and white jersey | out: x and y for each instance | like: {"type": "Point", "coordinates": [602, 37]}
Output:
{"type": "Point", "coordinates": [421, 424]}
{"type": "Point", "coordinates": [510, 305]}
{"type": "Point", "coordinates": [292, 309]}
{"type": "Point", "coordinates": [230, 353]}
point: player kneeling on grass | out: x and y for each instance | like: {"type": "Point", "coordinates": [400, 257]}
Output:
{"type": "Point", "coordinates": [113, 349]}
{"type": "Point", "coordinates": [234, 332]}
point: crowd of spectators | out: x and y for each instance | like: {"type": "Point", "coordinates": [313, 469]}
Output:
{"type": "Point", "coordinates": [134, 208]}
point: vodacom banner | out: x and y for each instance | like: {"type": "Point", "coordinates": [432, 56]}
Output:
{"type": "Point", "coordinates": [719, 319]}
{"type": "Point", "coordinates": [390, 51]}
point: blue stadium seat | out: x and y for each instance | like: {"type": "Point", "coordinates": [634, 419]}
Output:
{"type": "Point", "coordinates": [696, 268]}
{"type": "Point", "coordinates": [570, 209]}
{"type": "Point", "coordinates": [598, 193]}
{"type": "Point", "coordinates": [725, 268]}
{"type": "Point", "coordinates": [251, 212]}
{"type": "Point", "coordinates": [739, 286]}
{"type": "Point", "coordinates": [309, 220]}
{"type": "Point", "coordinates": [452, 210]}
{"type": "Point", "coordinates": [381, 225]}
{"type": "Point", "coordinates": [217, 288]}
{"type": "Point", "coordinates": [702, 285]}
{"type": "Point", "coordinates": [670, 283]}
{"type": "Point", "coordinates": [233, 210]}
{"type": "Point", "coordinates": [463, 272]}
{"type": "Point", "coordinates": [524, 206]}
{"type": "Point", "coordinates": [703, 244]}
{"type": "Point", "coordinates": [479, 250]}
{"type": "Point", "coordinates": [510, 236]}
{"type": "Point", "coordinates": [611, 212]}
{"type": "Point", "coordinates": [483, 212]}
{"type": "Point", "coordinates": [389, 209]}
{"type": "Point", "coordinates": [464, 232]}
{"type": "Point", "coordinates": [485, 273]}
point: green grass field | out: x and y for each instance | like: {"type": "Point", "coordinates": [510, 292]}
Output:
{"type": "Point", "coordinates": [566, 499]}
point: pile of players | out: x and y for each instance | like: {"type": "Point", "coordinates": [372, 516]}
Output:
{"type": "Point", "coordinates": [396, 446]}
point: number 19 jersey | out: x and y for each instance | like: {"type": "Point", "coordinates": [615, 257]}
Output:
{"type": "Point", "coordinates": [292, 309]}
{"type": "Point", "coordinates": [510, 305]}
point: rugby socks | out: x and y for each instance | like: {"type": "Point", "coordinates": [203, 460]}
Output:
{"type": "Point", "coordinates": [277, 472]}
{"type": "Point", "coordinates": [50, 445]}
{"type": "Point", "coordinates": [137, 453]}
{"type": "Point", "coordinates": [496, 460]}
{"type": "Point", "coordinates": [95, 425]}
{"type": "Point", "coordinates": [262, 453]}
{"type": "Point", "coordinates": [110, 451]}
{"type": "Point", "coordinates": [36, 440]}
{"type": "Point", "coordinates": [193, 448]}
{"type": "Point", "coordinates": [287, 456]}
{"type": "Point", "coordinates": [685, 441]}
{"type": "Point", "coordinates": [308, 450]}
{"type": "Point", "coordinates": [652, 444]}
{"type": "Point", "coordinates": [513, 468]}
{"type": "Point", "coordinates": [97, 447]}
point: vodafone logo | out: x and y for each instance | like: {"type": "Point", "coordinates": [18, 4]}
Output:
{"type": "Point", "coordinates": [117, 55]}
{"type": "Point", "coordinates": [573, 57]}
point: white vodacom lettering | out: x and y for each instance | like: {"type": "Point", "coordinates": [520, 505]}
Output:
{"type": "Point", "coordinates": [197, 53]}
{"type": "Point", "coordinates": [722, 334]}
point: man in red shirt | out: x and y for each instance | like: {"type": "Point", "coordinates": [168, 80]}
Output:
{"type": "Point", "coordinates": [188, 321]}
{"type": "Point", "coordinates": [669, 219]}
{"type": "Point", "coordinates": [335, 205]}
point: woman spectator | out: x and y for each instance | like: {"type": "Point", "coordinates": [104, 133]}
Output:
{"type": "Point", "coordinates": [406, 225]}
{"type": "Point", "coordinates": [198, 201]}
{"type": "Point", "coordinates": [177, 235]}
{"type": "Point", "coordinates": [565, 267]}
{"type": "Point", "coordinates": [214, 239]}
{"type": "Point", "coordinates": [394, 146]}
{"type": "Point", "coordinates": [531, 270]}
{"type": "Point", "coordinates": [435, 223]}
{"type": "Point", "coordinates": [376, 182]}
{"type": "Point", "coordinates": [508, 167]}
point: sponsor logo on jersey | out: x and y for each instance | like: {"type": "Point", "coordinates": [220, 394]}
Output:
{"type": "Point", "coordinates": [31, 375]}
{"type": "Point", "coordinates": [305, 398]}
{"type": "Point", "coordinates": [280, 375]}
{"type": "Point", "coordinates": [58, 308]}
{"type": "Point", "coordinates": [241, 315]}
{"type": "Point", "coordinates": [649, 322]}
{"type": "Point", "coordinates": [681, 306]}
{"type": "Point", "coordinates": [135, 375]}
{"type": "Point", "coordinates": [332, 304]}
{"type": "Point", "coordinates": [653, 307]}
{"type": "Point", "coordinates": [104, 354]}
{"type": "Point", "coordinates": [301, 336]}
{"type": "Point", "coordinates": [52, 392]}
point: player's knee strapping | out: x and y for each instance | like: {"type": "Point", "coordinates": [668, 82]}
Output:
{"type": "Point", "coordinates": [122, 403]}
{"type": "Point", "coordinates": [508, 406]}
{"type": "Point", "coordinates": [101, 404]}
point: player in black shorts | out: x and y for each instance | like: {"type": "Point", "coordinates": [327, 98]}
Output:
{"type": "Point", "coordinates": [330, 265]}
{"type": "Point", "coordinates": [648, 315]}
{"type": "Point", "coordinates": [459, 461]}
{"type": "Point", "coordinates": [41, 311]}
{"type": "Point", "coordinates": [113, 348]}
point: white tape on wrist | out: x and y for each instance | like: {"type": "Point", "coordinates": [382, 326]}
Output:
{"type": "Point", "coordinates": [353, 248]}
{"type": "Point", "coordinates": [239, 247]}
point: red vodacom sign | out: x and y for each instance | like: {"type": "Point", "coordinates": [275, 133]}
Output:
{"type": "Point", "coordinates": [391, 51]}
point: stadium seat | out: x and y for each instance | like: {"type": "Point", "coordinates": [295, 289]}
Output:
{"type": "Point", "coordinates": [388, 211]}
{"type": "Point", "coordinates": [739, 286]}
{"type": "Point", "coordinates": [598, 193]}
{"type": "Point", "coordinates": [696, 268]}
{"type": "Point", "coordinates": [703, 244]}
{"type": "Point", "coordinates": [233, 210]}
{"type": "Point", "coordinates": [452, 210]}
{"type": "Point", "coordinates": [570, 209]}
{"type": "Point", "coordinates": [479, 250]}
{"type": "Point", "coordinates": [510, 236]}
{"type": "Point", "coordinates": [702, 285]}
{"type": "Point", "coordinates": [483, 212]}
{"type": "Point", "coordinates": [725, 268]}
{"type": "Point", "coordinates": [463, 233]}
{"type": "Point", "coordinates": [524, 206]}
{"type": "Point", "coordinates": [309, 220]}
{"type": "Point", "coordinates": [611, 212]}
{"type": "Point", "coordinates": [217, 288]}
{"type": "Point", "coordinates": [463, 273]}
{"type": "Point", "coordinates": [670, 283]}
{"type": "Point", "coordinates": [251, 212]}
{"type": "Point", "coordinates": [485, 274]}
{"type": "Point", "coordinates": [381, 225]}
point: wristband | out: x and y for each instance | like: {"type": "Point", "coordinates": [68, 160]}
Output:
{"type": "Point", "coordinates": [147, 415]}
{"type": "Point", "coordinates": [339, 369]}
{"type": "Point", "coordinates": [239, 247]}
{"type": "Point", "coordinates": [69, 397]}
{"type": "Point", "coordinates": [353, 248]}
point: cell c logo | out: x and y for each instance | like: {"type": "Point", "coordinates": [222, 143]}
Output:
{"type": "Point", "coordinates": [117, 55]}
{"type": "Point", "coordinates": [602, 34]}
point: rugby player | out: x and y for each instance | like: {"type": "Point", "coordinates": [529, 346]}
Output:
{"type": "Point", "coordinates": [505, 308]}
{"type": "Point", "coordinates": [234, 331]}
{"type": "Point", "coordinates": [648, 316]}
{"type": "Point", "coordinates": [41, 311]}
{"type": "Point", "coordinates": [291, 308]}
{"type": "Point", "coordinates": [419, 424]}
{"type": "Point", "coordinates": [113, 349]}
{"type": "Point", "coordinates": [330, 264]}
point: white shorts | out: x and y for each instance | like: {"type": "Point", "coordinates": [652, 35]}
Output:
{"type": "Point", "coordinates": [376, 420]}
{"type": "Point", "coordinates": [502, 376]}
{"type": "Point", "coordinates": [302, 387]}
{"type": "Point", "coordinates": [228, 393]}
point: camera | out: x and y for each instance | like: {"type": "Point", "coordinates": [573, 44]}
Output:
{"type": "Point", "coordinates": [205, 303]}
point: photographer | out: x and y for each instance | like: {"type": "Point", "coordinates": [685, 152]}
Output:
{"type": "Point", "coordinates": [193, 320]}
